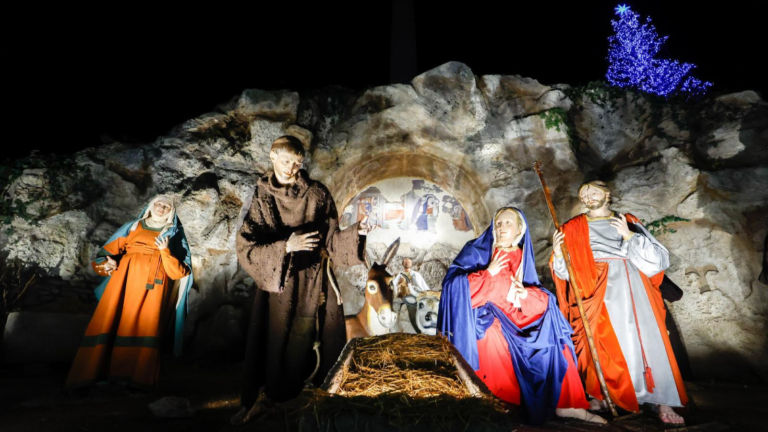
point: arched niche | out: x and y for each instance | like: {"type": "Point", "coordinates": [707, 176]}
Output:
{"type": "Point", "coordinates": [355, 176]}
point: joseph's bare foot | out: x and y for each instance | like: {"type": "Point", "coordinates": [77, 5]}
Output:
{"type": "Point", "coordinates": [598, 405]}
{"type": "Point", "coordinates": [581, 414]}
{"type": "Point", "coordinates": [668, 416]}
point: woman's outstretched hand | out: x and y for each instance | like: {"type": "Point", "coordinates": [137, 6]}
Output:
{"type": "Point", "coordinates": [110, 266]}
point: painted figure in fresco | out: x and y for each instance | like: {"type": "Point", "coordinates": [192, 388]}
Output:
{"type": "Point", "coordinates": [507, 327]}
{"type": "Point", "coordinates": [426, 209]}
{"type": "Point", "coordinates": [285, 244]}
{"type": "Point", "coordinates": [368, 209]}
{"type": "Point", "coordinates": [619, 266]}
{"type": "Point", "coordinates": [460, 217]}
{"type": "Point", "coordinates": [373, 215]}
{"type": "Point", "coordinates": [136, 300]}
{"type": "Point", "coordinates": [346, 218]}
{"type": "Point", "coordinates": [364, 209]}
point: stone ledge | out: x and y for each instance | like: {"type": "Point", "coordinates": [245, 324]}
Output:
{"type": "Point", "coordinates": [41, 337]}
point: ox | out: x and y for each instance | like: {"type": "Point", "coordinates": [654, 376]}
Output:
{"type": "Point", "coordinates": [422, 311]}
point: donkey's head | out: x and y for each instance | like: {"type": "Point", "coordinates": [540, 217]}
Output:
{"type": "Point", "coordinates": [379, 289]}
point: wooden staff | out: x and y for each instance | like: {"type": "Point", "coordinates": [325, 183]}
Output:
{"type": "Point", "coordinates": [577, 293]}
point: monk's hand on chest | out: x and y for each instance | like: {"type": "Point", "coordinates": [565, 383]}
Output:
{"type": "Point", "coordinates": [302, 242]}
{"type": "Point", "coordinates": [497, 263]}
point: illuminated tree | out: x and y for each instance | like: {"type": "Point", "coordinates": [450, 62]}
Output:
{"type": "Point", "coordinates": [633, 62]}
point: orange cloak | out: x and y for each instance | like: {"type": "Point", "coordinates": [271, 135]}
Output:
{"type": "Point", "coordinates": [591, 277]}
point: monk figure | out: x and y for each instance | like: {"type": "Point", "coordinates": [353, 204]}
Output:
{"type": "Point", "coordinates": [286, 244]}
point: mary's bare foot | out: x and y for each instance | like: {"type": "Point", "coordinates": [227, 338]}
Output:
{"type": "Point", "coordinates": [581, 414]}
{"type": "Point", "coordinates": [668, 416]}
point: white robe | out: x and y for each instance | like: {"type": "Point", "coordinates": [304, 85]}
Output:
{"type": "Point", "coordinates": [641, 253]}
{"type": "Point", "coordinates": [417, 283]}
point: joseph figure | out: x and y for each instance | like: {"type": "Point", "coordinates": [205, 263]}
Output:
{"type": "Point", "coordinates": [286, 244]}
{"type": "Point", "coordinates": [619, 266]}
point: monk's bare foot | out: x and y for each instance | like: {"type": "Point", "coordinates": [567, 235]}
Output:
{"type": "Point", "coordinates": [581, 414]}
{"type": "Point", "coordinates": [668, 416]}
{"type": "Point", "coordinates": [598, 405]}
{"type": "Point", "coordinates": [245, 415]}
{"type": "Point", "coordinates": [239, 418]}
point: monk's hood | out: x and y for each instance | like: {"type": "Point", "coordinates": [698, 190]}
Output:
{"type": "Point", "coordinates": [296, 191]}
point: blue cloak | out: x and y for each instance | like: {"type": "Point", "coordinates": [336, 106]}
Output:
{"type": "Point", "coordinates": [536, 349]}
{"type": "Point", "coordinates": [179, 247]}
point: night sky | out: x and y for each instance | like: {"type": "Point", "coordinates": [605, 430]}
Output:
{"type": "Point", "coordinates": [78, 74]}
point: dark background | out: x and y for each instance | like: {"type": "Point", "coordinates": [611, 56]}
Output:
{"type": "Point", "coordinates": [77, 74]}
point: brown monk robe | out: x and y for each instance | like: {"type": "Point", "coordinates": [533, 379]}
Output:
{"type": "Point", "coordinates": [279, 353]}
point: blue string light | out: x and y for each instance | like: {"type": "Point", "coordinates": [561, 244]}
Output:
{"type": "Point", "coordinates": [633, 64]}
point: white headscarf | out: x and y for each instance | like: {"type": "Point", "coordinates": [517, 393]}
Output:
{"type": "Point", "coordinates": [164, 221]}
{"type": "Point", "coordinates": [515, 294]}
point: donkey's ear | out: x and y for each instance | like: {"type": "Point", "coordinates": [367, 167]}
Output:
{"type": "Point", "coordinates": [391, 252]}
{"type": "Point", "coordinates": [367, 259]}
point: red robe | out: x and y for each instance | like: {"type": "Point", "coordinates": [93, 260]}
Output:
{"type": "Point", "coordinates": [496, 369]}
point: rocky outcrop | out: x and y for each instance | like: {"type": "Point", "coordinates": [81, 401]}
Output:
{"type": "Point", "coordinates": [477, 138]}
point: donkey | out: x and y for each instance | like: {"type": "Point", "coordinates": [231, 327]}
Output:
{"type": "Point", "coordinates": [376, 317]}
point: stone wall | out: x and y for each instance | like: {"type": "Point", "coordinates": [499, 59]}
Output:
{"type": "Point", "coordinates": [476, 138]}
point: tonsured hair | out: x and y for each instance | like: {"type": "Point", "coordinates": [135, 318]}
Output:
{"type": "Point", "coordinates": [289, 144]}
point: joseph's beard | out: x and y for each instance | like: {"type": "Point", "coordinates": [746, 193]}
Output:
{"type": "Point", "coordinates": [592, 205]}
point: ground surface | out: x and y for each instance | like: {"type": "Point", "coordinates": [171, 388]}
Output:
{"type": "Point", "coordinates": [31, 400]}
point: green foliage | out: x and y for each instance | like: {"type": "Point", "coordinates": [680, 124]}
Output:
{"type": "Point", "coordinates": [40, 186]}
{"type": "Point", "coordinates": [599, 93]}
{"type": "Point", "coordinates": [555, 118]}
{"type": "Point", "coordinates": [650, 108]}
{"type": "Point", "coordinates": [659, 226]}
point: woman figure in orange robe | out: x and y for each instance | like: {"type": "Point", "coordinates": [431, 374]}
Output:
{"type": "Point", "coordinates": [136, 300]}
{"type": "Point", "coordinates": [508, 328]}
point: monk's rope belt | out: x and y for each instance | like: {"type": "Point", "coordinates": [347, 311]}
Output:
{"type": "Point", "coordinates": [316, 346]}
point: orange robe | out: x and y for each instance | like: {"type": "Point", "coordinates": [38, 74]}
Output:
{"type": "Point", "coordinates": [496, 368]}
{"type": "Point", "coordinates": [122, 341]}
{"type": "Point", "coordinates": [591, 278]}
